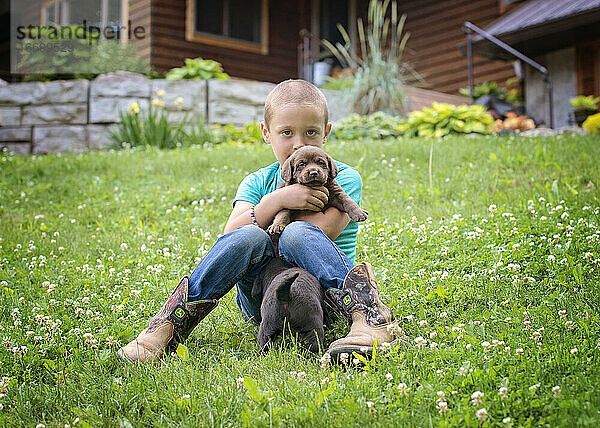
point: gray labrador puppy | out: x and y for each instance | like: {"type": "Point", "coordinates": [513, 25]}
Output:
{"type": "Point", "coordinates": [311, 166]}
{"type": "Point", "coordinates": [290, 295]}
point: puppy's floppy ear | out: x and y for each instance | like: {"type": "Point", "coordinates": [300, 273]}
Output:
{"type": "Point", "coordinates": [333, 169]}
{"type": "Point", "coordinates": [287, 170]}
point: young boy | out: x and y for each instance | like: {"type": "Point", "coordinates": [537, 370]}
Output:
{"type": "Point", "coordinates": [323, 243]}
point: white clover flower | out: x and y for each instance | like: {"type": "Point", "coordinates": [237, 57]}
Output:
{"type": "Point", "coordinates": [389, 377]}
{"type": "Point", "coordinates": [324, 360]}
{"type": "Point", "coordinates": [503, 392]}
{"type": "Point", "coordinates": [371, 406]}
{"type": "Point", "coordinates": [574, 351]}
{"type": "Point", "coordinates": [557, 391]}
{"type": "Point", "coordinates": [240, 382]}
{"type": "Point", "coordinates": [402, 389]}
{"type": "Point", "coordinates": [420, 342]}
{"type": "Point", "coordinates": [344, 357]}
{"type": "Point", "coordinates": [482, 414]}
{"type": "Point", "coordinates": [476, 398]}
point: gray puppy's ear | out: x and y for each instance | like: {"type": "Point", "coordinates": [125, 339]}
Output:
{"type": "Point", "coordinates": [287, 170]}
{"type": "Point", "coordinates": [333, 169]}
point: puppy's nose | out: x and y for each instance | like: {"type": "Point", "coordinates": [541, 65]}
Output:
{"type": "Point", "coordinates": [313, 173]}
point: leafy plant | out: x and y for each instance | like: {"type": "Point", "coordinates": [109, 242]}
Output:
{"type": "Point", "coordinates": [339, 83]}
{"type": "Point", "coordinates": [513, 96]}
{"type": "Point", "coordinates": [198, 69]}
{"type": "Point", "coordinates": [380, 73]}
{"type": "Point", "coordinates": [592, 124]}
{"type": "Point", "coordinates": [443, 119]}
{"type": "Point", "coordinates": [375, 126]}
{"type": "Point", "coordinates": [581, 102]}
{"type": "Point", "coordinates": [248, 134]}
{"type": "Point", "coordinates": [150, 128]}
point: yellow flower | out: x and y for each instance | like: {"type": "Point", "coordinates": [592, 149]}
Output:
{"type": "Point", "coordinates": [178, 101]}
{"type": "Point", "coordinates": [157, 102]}
{"type": "Point", "coordinates": [160, 93]}
{"type": "Point", "coordinates": [134, 107]}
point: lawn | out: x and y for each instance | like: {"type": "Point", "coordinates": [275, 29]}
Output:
{"type": "Point", "coordinates": [487, 250]}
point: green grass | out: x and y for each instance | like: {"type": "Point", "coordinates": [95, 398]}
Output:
{"type": "Point", "coordinates": [504, 239]}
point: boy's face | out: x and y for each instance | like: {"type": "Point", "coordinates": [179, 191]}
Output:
{"type": "Point", "coordinates": [293, 127]}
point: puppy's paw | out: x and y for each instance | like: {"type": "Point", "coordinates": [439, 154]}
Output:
{"type": "Point", "coordinates": [275, 229]}
{"type": "Point", "coordinates": [358, 214]}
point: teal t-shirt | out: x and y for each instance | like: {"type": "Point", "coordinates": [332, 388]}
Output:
{"type": "Point", "coordinates": [267, 179]}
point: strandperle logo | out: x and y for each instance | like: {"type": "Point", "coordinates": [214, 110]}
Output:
{"type": "Point", "coordinates": [84, 31]}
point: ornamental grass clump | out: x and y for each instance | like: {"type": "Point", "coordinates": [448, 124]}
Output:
{"type": "Point", "coordinates": [443, 119]}
{"type": "Point", "coordinates": [379, 71]}
{"type": "Point", "coordinates": [155, 128]}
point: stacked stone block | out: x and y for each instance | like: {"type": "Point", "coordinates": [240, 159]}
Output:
{"type": "Point", "coordinates": [79, 115]}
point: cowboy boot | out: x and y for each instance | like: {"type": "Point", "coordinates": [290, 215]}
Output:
{"type": "Point", "coordinates": [171, 326]}
{"type": "Point", "coordinates": [370, 320]}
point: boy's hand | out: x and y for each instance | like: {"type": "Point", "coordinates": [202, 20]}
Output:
{"type": "Point", "coordinates": [300, 197]}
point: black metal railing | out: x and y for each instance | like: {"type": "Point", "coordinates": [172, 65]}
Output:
{"type": "Point", "coordinates": [469, 28]}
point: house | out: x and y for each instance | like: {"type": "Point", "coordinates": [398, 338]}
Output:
{"type": "Point", "coordinates": [561, 35]}
{"type": "Point", "coordinates": [260, 39]}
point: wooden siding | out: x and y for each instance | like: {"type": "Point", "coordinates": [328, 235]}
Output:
{"type": "Point", "coordinates": [435, 27]}
{"type": "Point", "coordinates": [588, 68]}
{"type": "Point", "coordinates": [286, 18]}
{"type": "Point", "coordinates": [139, 13]}
{"type": "Point", "coordinates": [436, 33]}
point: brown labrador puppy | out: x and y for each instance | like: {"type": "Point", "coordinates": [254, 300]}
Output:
{"type": "Point", "coordinates": [311, 166]}
{"type": "Point", "coordinates": [290, 295]}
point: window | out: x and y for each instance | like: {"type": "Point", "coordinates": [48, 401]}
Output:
{"type": "Point", "coordinates": [99, 13]}
{"type": "Point", "coordinates": [55, 12]}
{"type": "Point", "coordinates": [236, 24]}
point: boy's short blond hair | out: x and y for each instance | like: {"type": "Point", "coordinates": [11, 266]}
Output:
{"type": "Point", "coordinates": [295, 92]}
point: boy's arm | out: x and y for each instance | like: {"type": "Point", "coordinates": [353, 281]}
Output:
{"type": "Point", "coordinates": [294, 197]}
{"type": "Point", "coordinates": [332, 222]}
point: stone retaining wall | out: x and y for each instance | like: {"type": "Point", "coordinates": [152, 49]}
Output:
{"type": "Point", "coordinates": [78, 115]}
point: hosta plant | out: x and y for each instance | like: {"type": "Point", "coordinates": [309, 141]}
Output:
{"type": "Point", "coordinates": [443, 119]}
{"type": "Point", "coordinates": [198, 69]}
{"type": "Point", "coordinates": [581, 102]}
{"type": "Point", "coordinates": [373, 126]}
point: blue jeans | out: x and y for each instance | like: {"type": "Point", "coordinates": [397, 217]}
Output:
{"type": "Point", "coordinates": [238, 257]}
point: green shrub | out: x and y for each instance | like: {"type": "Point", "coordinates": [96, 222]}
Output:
{"type": "Point", "coordinates": [338, 84]}
{"type": "Point", "coordinates": [584, 103]}
{"type": "Point", "coordinates": [379, 71]}
{"type": "Point", "coordinates": [444, 119]}
{"type": "Point", "coordinates": [249, 134]}
{"type": "Point", "coordinates": [150, 128]}
{"type": "Point", "coordinates": [375, 126]}
{"type": "Point", "coordinates": [198, 69]}
{"type": "Point", "coordinates": [592, 124]}
{"type": "Point", "coordinates": [513, 96]}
